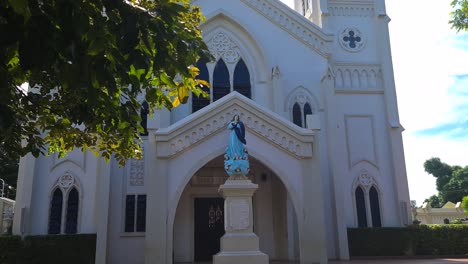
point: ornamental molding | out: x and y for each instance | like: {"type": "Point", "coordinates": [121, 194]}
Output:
{"type": "Point", "coordinates": [137, 172]}
{"type": "Point", "coordinates": [66, 181]}
{"type": "Point", "coordinates": [365, 180]}
{"type": "Point", "coordinates": [213, 119]}
{"type": "Point", "coordinates": [295, 24]}
{"type": "Point", "coordinates": [346, 8]}
{"type": "Point", "coordinates": [357, 78]}
{"type": "Point", "coordinates": [223, 47]}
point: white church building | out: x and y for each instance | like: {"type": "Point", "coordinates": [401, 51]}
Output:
{"type": "Point", "coordinates": [315, 89]}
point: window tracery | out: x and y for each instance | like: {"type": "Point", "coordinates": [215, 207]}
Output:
{"type": "Point", "coordinates": [64, 206]}
{"type": "Point", "coordinates": [367, 201]}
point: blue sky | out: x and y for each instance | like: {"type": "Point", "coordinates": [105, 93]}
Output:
{"type": "Point", "coordinates": [430, 62]}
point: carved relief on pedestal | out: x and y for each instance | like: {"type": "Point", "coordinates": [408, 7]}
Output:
{"type": "Point", "coordinates": [239, 214]}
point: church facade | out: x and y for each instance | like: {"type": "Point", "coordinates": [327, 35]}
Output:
{"type": "Point", "coordinates": [315, 90]}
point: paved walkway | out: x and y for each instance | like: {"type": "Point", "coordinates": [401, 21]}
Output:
{"type": "Point", "coordinates": [378, 261]}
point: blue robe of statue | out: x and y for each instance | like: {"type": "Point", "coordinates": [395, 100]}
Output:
{"type": "Point", "coordinates": [236, 149]}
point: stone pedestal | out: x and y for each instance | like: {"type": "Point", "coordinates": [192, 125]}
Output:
{"type": "Point", "coordinates": [239, 244]}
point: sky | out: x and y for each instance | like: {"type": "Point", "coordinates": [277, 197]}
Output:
{"type": "Point", "coordinates": [430, 62]}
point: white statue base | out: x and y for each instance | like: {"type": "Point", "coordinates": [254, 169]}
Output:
{"type": "Point", "coordinates": [239, 244]}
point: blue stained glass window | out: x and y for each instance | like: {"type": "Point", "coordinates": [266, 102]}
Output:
{"type": "Point", "coordinates": [221, 84]}
{"type": "Point", "coordinates": [242, 79]}
{"type": "Point", "coordinates": [361, 207]}
{"type": "Point", "coordinates": [55, 217]}
{"type": "Point", "coordinates": [297, 118]}
{"type": "Point", "coordinates": [375, 207]}
{"type": "Point", "coordinates": [71, 223]}
{"type": "Point", "coordinates": [198, 102]}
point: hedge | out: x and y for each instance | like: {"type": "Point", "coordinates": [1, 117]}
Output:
{"type": "Point", "coordinates": [50, 249]}
{"type": "Point", "coordinates": [417, 240]}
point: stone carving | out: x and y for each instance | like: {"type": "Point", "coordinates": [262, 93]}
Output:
{"type": "Point", "coordinates": [66, 180]}
{"type": "Point", "coordinates": [282, 138]}
{"type": "Point", "coordinates": [137, 172]}
{"type": "Point", "coordinates": [365, 180]}
{"type": "Point", "coordinates": [239, 214]}
{"type": "Point", "coordinates": [297, 26]}
{"type": "Point", "coordinates": [351, 39]}
{"type": "Point", "coordinates": [221, 46]}
{"type": "Point", "coordinates": [357, 78]}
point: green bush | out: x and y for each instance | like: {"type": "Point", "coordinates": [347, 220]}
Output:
{"type": "Point", "coordinates": [10, 248]}
{"type": "Point", "coordinates": [50, 249]}
{"type": "Point", "coordinates": [413, 240]}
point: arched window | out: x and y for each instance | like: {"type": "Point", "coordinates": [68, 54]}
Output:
{"type": "Point", "coordinates": [361, 207]}
{"type": "Point", "coordinates": [221, 83]}
{"type": "Point", "coordinates": [198, 102]}
{"type": "Point", "coordinates": [242, 79]}
{"type": "Point", "coordinates": [55, 216]}
{"type": "Point", "coordinates": [297, 117]}
{"type": "Point", "coordinates": [307, 111]}
{"type": "Point", "coordinates": [375, 207]}
{"type": "Point", "coordinates": [72, 212]}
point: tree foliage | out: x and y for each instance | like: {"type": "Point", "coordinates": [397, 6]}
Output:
{"type": "Point", "coordinates": [464, 204]}
{"type": "Point", "coordinates": [434, 201]}
{"type": "Point", "coordinates": [459, 15]}
{"type": "Point", "coordinates": [91, 64]}
{"type": "Point", "coordinates": [451, 181]}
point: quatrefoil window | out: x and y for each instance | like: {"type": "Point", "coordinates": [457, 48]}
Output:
{"type": "Point", "coordinates": [351, 39]}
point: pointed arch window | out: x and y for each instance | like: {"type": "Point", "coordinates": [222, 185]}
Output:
{"type": "Point", "coordinates": [375, 207]}
{"type": "Point", "coordinates": [361, 207]}
{"type": "Point", "coordinates": [64, 206]}
{"type": "Point", "coordinates": [297, 118]}
{"type": "Point", "coordinates": [55, 215]}
{"type": "Point", "coordinates": [242, 79]}
{"type": "Point", "coordinates": [71, 223]}
{"type": "Point", "coordinates": [198, 102]}
{"type": "Point", "coordinates": [224, 78]}
{"type": "Point", "coordinates": [221, 83]}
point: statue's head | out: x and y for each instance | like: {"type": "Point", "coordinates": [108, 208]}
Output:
{"type": "Point", "coordinates": [235, 118]}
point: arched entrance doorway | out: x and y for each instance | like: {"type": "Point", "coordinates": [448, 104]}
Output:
{"type": "Point", "coordinates": [199, 219]}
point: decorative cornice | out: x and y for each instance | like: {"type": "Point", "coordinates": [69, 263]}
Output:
{"type": "Point", "coordinates": [295, 24]}
{"type": "Point", "coordinates": [357, 78]}
{"type": "Point", "coordinates": [355, 8]}
{"type": "Point", "coordinates": [181, 136]}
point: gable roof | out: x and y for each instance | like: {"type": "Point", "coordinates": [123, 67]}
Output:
{"type": "Point", "coordinates": [295, 24]}
{"type": "Point", "coordinates": [212, 119]}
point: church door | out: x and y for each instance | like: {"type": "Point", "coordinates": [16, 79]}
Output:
{"type": "Point", "coordinates": [209, 227]}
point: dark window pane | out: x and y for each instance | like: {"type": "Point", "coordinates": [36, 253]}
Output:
{"type": "Point", "coordinates": [72, 212]}
{"type": "Point", "coordinates": [361, 208]}
{"type": "Point", "coordinates": [198, 102]}
{"type": "Point", "coordinates": [375, 207]}
{"type": "Point", "coordinates": [297, 119]}
{"type": "Point", "coordinates": [130, 213]}
{"type": "Point", "coordinates": [141, 213]}
{"type": "Point", "coordinates": [221, 84]}
{"type": "Point", "coordinates": [307, 111]}
{"type": "Point", "coordinates": [242, 79]}
{"type": "Point", "coordinates": [55, 217]}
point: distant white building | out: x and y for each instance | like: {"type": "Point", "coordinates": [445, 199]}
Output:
{"type": "Point", "coordinates": [315, 90]}
{"type": "Point", "coordinates": [447, 214]}
{"type": "Point", "coordinates": [7, 207]}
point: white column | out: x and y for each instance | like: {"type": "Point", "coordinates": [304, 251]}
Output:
{"type": "Point", "coordinates": [21, 223]}
{"type": "Point", "coordinates": [102, 212]}
{"type": "Point", "coordinates": [239, 244]}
